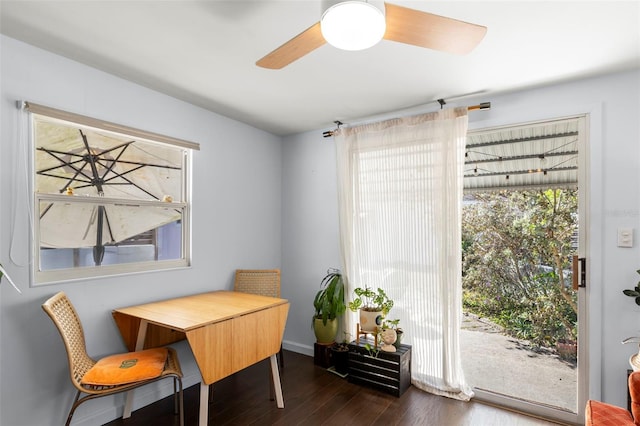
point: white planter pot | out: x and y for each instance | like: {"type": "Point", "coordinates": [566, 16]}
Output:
{"type": "Point", "coordinates": [370, 320]}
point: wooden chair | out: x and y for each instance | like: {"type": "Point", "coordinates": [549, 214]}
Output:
{"type": "Point", "coordinates": [264, 282]}
{"type": "Point", "coordinates": [165, 364]}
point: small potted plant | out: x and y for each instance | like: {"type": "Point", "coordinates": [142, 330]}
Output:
{"type": "Point", "coordinates": [340, 356]}
{"type": "Point", "coordinates": [395, 326]}
{"type": "Point", "coordinates": [373, 307]}
{"type": "Point", "coordinates": [329, 305]}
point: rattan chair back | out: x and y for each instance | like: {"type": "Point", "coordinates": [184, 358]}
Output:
{"type": "Point", "coordinates": [264, 282]}
{"type": "Point", "coordinates": [66, 320]}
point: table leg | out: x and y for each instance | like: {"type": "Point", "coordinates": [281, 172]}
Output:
{"type": "Point", "coordinates": [204, 404]}
{"type": "Point", "coordinates": [276, 381]}
{"type": "Point", "coordinates": [142, 334]}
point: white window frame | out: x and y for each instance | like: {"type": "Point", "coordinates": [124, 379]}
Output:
{"type": "Point", "coordinates": [43, 277]}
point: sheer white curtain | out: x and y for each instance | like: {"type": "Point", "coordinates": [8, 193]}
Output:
{"type": "Point", "coordinates": [400, 196]}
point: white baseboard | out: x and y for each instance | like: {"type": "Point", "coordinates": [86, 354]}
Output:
{"type": "Point", "coordinates": [297, 347]}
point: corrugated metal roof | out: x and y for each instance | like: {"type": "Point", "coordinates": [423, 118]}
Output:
{"type": "Point", "coordinates": [543, 154]}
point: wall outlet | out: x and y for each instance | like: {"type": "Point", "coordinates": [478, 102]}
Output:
{"type": "Point", "coordinates": [625, 237]}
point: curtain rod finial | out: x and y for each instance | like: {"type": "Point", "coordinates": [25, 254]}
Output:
{"type": "Point", "coordinates": [330, 133]}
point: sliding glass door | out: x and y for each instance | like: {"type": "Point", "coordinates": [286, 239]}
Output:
{"type": "Point", "coordinates": [523, 224]}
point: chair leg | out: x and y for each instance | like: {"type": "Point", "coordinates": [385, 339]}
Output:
{"type": "Point", "coordinates": [175, 396]}
{"type": "Point", "coordinates": [181, 401]}
{"type": "Point", "coordinates": [73, 408]}
{"type": "Point", "coordinates": [178, 400]}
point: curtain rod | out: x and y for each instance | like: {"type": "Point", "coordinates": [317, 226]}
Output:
{"type": "Point", "coordinates": [480, 106]}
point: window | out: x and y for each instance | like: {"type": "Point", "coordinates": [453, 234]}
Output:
{"type": "Point", "coordinates": [108, 199]}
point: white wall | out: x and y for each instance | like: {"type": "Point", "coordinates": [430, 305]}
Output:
{"type": "Point", "coordinates": [310, 234]}
{"type": "Point", "coordinates": [309, 229]}
{"type": "Point", "coordinates": [236, 224]}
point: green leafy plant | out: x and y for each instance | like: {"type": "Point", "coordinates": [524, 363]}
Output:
{"type": "Point", "coordinates": [635, 293]}
{"type": "Point", "coordinates": [373, 351]}
{"type": "Point", "coordinates": [392, 324]}
{"type": "Point", "coordinates": [329, 301]}
{"type": "Point", "coordinates": [369, 300]}
{"type": "Point", "coordinates": [516, 247]}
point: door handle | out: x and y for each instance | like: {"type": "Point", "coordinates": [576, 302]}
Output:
{"type": "Point", "coordinates": [574, 272]}
{"type": "Point", "coordinates": [578, 272]}
{"type": "Point", "coordinates": [583, 272]}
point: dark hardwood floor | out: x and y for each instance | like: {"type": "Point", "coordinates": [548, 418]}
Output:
{"type": "Point", "coordinates": [315, 396]}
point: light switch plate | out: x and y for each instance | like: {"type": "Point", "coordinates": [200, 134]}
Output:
{"type": "Point", "coordinates": [625, 237]}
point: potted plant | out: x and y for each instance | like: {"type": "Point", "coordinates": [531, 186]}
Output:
{"type": "Point", "coordinates": [373, 306]}
{"type": "Point", "coordinates": [329, 305]}
{"type": "Point", "coordinates": [395, 326]}
{"type": "Point", "coordinates": [340, 356]}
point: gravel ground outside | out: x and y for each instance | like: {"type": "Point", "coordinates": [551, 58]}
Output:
{"type": "Point", "coordinates": [502, 364]}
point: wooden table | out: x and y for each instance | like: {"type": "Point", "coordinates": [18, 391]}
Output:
{"type": "Point", "coordinates": [226, 330]}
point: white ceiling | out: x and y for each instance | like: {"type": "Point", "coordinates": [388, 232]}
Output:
{"type": "Point", "coordinates": [204, 52]}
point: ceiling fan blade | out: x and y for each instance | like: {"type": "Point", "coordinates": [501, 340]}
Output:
{"type": "Point", "coordinates": [436, 32]}
{"type": "Point", "coordinates": [305, 42]}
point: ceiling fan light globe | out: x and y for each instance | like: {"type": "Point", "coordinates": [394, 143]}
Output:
{"type": "Point", "coordinates": [353, 25]}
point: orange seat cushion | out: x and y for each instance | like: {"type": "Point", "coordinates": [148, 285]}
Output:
{"type": "Point", "coordinates": [634, 392]}
{"type": "Point", "coordinates": [126, 368]}
{"type": "Point", "coordinates": [603, 414]}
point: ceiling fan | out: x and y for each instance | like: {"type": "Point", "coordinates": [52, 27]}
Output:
{"type": "Point", "coordinates": [391, 22]}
